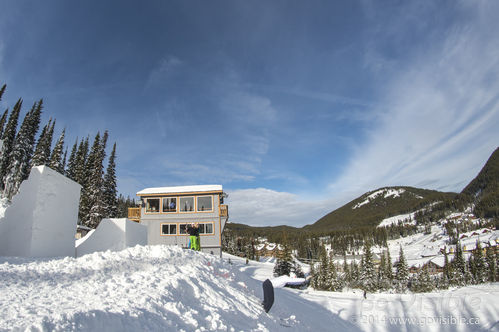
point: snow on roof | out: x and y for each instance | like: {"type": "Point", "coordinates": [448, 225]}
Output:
{"type": "Point", "coordinates": [180, 189]}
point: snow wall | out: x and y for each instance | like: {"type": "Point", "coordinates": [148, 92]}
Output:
{"type": "Point", "coordinates": [41, 221]}
{"type": "Point", "coordinates": [114, 235]}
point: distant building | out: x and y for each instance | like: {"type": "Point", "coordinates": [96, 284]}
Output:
{"type": "Point", "coordinates": [167, 211]}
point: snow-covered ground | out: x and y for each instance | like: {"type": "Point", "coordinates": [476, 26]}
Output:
{"type": "Point", "coordinates": [160, 288]}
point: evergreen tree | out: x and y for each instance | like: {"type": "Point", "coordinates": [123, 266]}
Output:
{"type": "Point", "coordinates": [314, 276]}
{"type": "Point", "coordinates": [324, 282]}
{"type": "Point", "coordinates": [447, 267]}
{"type": "Point", "coordinates": [3, 119]}
{"type": "Point", "coordinates": [490, 255]}
{"type": "Point", "coordinates": [80, 163]}
{"type": "Point", "coordinates": [9, 137]}
{"type": "Point", "coordinates": [22, 151]}
{"type": "Point", "coordinates": [354, 271]}
{"type": "Point", "coordinates": [42, 150]}
{"type": "Point", "coordinates": [283, 264]}
{"type": "Point", "coordinates": [388, 266]}
{"type": "Point", "coordinates": [94, 185]}
{"type": "Point", "coordinates": [402, 273]}
{"type": "Point", "coordinates": [423, 283]}
{"type": "Point", "coordinates": [480, 274]}
{"type": "Point", "coordinates": [110, 191]}
{"type": "Point", "coordinates": [458, 267]}
{"type": "Point", "coordinates": [368, 276]}
{"type": "Point", "coordinates": [56, 157]}
{"type": "Point", "coordinates": [347, 276]}
{"type": "Point", "coordinates": [70, 171]}
{"type": "Point", "coordinates": [2, 90]}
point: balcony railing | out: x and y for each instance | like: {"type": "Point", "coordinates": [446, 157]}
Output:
{"type": "Point", "coordinates": [224, 211]}
{"type": "Point", "coordinates": [134, 214]}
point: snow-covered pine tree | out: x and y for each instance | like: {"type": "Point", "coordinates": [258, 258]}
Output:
{"type": "Point", "coordinates": [324, 282]}
{"type": "Point", "coordinates": [80, 163]}
{"type": "Point", "coordinates": [458, 267]}
{"type": "Point", "coordinates": [480, 264]}
{"type": "Point", "coordinates": [383, 280]}
{"type": "Point", "coordinates": [389, 266]}
{"type": "Point", "coordinates": [95, 185]}
{"type": "Point", "coordinates": [110, 191]}
{"type": "Point", "coordinates": [424, 282]}
{"type": "Point", "coordinates": [44, 145]}
{"type": "Point", "coordinates": [56, 157]}
{"type": "Point", "coordinates": [3, 119]}
{"type": "Point", "coordinates": [347, 276]}
{"type": "Point", "coordinates": [64, 159]}
{"type": "Point", "coordinates": [8, 138]}
{"type": "Point", "coordinates": [490, 256]}
{"type": "Point", "coordinates": [368, 276]}
{"type": "Point", "coordinates": [70, 170]}
{"type": "Point", "coordinates": [354, 272]}
{"type": "Point", "coordinates": [283, 264]}
{"type": "Point", "coordinates": [314, 276]}
{"type": "Point", "coordinates": [22, 151]}
{"type": "Point", "coordinates": [402, 272]}
{"type": "Point", "coordinates": [84, 178]}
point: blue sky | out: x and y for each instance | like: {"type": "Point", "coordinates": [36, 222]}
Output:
{"type": "Point", "coordinates": [295, 107]}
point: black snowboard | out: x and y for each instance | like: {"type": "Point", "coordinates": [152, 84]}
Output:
{"type": "Point", "coordinates": [268, 295]}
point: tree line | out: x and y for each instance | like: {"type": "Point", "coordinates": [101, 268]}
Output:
{"type": "Point", "coordinates": [23, 148]}
{"type": "Point", "coordinates": [385, 276]}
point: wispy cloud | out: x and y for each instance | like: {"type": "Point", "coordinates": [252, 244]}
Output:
{"type": "Point", "coordinates": [265, 207]}
{"type": "Point", "coordinates": [435, 114]}
{"type": "Point", "coordinates": [163, 70]}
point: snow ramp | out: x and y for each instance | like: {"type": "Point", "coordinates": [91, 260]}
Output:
{"type": "Point", "coordinates": [112, 234]}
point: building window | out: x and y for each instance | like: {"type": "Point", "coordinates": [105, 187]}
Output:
{"type": "Point", "coordinates": [182, 229]}
{"type": "Point", "coordinates": [205, 203]}
{"type": "Point", "coordinates": [152, 205]}
{"type": "Point", "coordinates": [168, 229]}
{"type": "Point", "coordinates": [206, 228]}
{"type": "Point", "coordinates": [170, 204]}
{"type": "Point", "coordinates": [186, 204]}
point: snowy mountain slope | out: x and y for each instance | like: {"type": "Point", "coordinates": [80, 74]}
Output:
{"type": "Point", "coordinates": [158, 288]}
{"type": "Point", "coordinates": [375, 206]}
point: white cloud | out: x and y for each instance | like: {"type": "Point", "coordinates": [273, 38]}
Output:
{"type": "Point", "coordinates": [438, 125]}
{"type": "Point", "coordinates": [265, 207]}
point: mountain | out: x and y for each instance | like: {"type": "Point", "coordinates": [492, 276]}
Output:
{"type": "Point", "coordinates": [483, 190]}
{"type": "Point", "coordinates": [371, 208]}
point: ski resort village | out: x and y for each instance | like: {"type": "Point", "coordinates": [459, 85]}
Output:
{"type": "Point", "coordinates": [249, 166]}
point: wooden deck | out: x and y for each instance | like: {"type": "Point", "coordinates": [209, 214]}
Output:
{"type": "Point", "coordinates": [134, 214]}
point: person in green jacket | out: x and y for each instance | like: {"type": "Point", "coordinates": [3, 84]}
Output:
{"type": "Point", "coordinates": [193, 231]}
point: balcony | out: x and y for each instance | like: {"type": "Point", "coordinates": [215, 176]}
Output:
{"type": "Point", "coordinates": [134, 214]}
{"type": "Point", "coordinates": [224, 211]}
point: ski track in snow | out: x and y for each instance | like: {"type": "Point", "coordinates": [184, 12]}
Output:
{"type": "Point", "coordinates": [160, 288]}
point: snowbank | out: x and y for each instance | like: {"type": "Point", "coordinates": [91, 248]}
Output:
{"type": "Point", "coordinates": [41, 221]}
{"type": "Point", "coordinates": [112, 234]}
{"type": "Point", "coordinates": [160, 288]}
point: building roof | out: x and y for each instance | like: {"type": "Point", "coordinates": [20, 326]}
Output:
{"type": "Point", "coordinates": [180, 189]}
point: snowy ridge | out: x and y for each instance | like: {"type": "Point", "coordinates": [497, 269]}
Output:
{"type": "Point", "coordinates": [387, 192]}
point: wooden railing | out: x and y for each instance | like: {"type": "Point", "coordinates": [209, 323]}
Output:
{"type": "Point", "coordinates": [224, 211]}
{"type": "Point", "coordinates": [134, 214]}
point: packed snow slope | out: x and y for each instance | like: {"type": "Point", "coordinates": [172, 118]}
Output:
{"type": "Point", "coordinates": [146, 288]}
{"type": "Point", "coordinates": [160, 288]}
